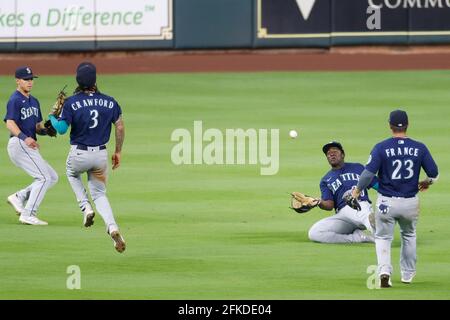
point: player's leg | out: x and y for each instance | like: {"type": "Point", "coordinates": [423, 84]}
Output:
{"type": "Point", "coordinates": [336, 229]}
{"type": "Point", "coordinates": [408, 221]}
{"type": "Point", "coordinates": [367, 216]}
{"type": "Point", "coordinates": [360, 218]}
{"type": "Point", "coordinates": [97, 186]}
{"type": "Point", "coordinates": [384, 234]}
{"type": "Point", "coordinates": [44, 176]}
{"type": "Point", "coordinates": [76, 164]}
{"type": "Point", "coordinates": [18, 199]}
{"type": "Point", "coordinates": [24, 194]}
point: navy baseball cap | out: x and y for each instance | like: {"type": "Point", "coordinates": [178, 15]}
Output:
{"type": "Point", "coordinates": [86, 75]}
{"type": "Point", "coordinates": [25, 73]}
{"type": "Point", "coordinates": [332, 144]}
{"type": "Point", "coordinates": [398, 118]}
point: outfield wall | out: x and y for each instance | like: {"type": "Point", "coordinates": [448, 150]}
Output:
{"type": "Point", "coordinates": [92, 25]}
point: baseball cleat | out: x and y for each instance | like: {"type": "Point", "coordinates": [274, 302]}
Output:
{"type": "Point", "coordinates": [119, 242]}
{"type": "Point", "coordinates": [88, 219]}
{"type": "Point", "coordinates": [32, 220]}
{"type": "Point", "coordinates": [368, 238]}
{"type": "Point", "coordinates": [385, 281]}
{"type": "Point", "coordinates": [88, 215]}
{"type": "Point", "coordinates": [408, 278]}
{"type": "Point", "coordinates": [14, 201]}
{"type": "Point", "coordinates": [364, 237]}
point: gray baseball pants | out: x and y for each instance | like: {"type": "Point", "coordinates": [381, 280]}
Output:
{"type": "Point", "coordinates": [31, 161]}
{"type": "Point", "coordinates": [94, 162]}
{"type": "Point", "coordinates": [405, 211]}
{"type": "Point", "coordinates": [343, 226]}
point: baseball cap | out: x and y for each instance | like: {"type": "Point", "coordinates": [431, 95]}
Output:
{"type": "Point", "coordinates": [25, 73]}
{"type": "Point", "coordinates": [332, 144]}
{"type": "Point", "coordinates": [398, 118]}
{"type": "Point", "coordinates": [86, 75]}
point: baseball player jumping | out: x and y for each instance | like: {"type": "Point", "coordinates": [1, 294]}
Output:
{"type": "Point", "coordinates": [347, 225]}
{"type": "Point", "coordinates": [24, 120]}
{"type": "Point", "coordinates": [91, 114]}
{"type": "Point", "coordinates": [398, 161]}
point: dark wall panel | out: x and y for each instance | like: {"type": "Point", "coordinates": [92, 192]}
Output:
{"type": "Point", "coordinates": [349, 24]}
{"type": "Point", "coordinates": [435, 21]}
{"type": "Point", "coordinates": [213, 24]}
{"type": "Point", "coordinates": [290, 24]}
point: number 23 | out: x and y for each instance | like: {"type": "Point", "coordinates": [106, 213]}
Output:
{"type": "Point", "coordinates": [396, 175]}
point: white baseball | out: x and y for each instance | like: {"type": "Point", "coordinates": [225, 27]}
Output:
{"type": "Point", "coordinates": [293, 134]}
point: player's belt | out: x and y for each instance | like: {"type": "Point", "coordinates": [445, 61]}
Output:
{"type": "Point", "coordinates": [395, 197]}
{"type": "Point", "coordinates": [85, 148]}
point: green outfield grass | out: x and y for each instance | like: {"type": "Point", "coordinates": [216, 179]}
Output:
{"type": "Point", "coordinates": [225, 232]}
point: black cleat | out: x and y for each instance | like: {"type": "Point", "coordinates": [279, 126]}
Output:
{"type": "Point", "coordinates": [385, 281]}
{"type": "Point", "coordinates": [88, 219]}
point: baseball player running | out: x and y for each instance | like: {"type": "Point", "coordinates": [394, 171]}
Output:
{"type": "Point", "coordinates": [91, 113]}
{"type": "Point", "coordinates": [397, 161]}
{"type": "Point", "coordinates": [347, 225]}
{"type": "Point", "coordinates": [24, 120]}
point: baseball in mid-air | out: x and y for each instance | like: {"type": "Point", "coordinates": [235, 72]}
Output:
{"type": "Point", "coordinates": [293, 134]}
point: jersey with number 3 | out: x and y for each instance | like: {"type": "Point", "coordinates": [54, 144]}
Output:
{"type": "Point", "coordinates": [90, 116]}
{"type": "Point", "coordinates": [398, 162]}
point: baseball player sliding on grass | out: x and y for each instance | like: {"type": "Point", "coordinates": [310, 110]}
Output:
{"type": "Point", "coordinates": [347, 225]}
{"type": "Point", "coordinates": [398, 161]}
{"type": "Point", "coordinates": [24, 120]}
{"type": "Point", "coordinates": [91, 114]}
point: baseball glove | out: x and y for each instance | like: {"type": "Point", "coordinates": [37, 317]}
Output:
{"type": "Point", "coordinates": [56, 111]}
{"type": "Point", "coordinates": [350, 201]}
{"type": "Point", "coordinates": [51, 132]}
{"type": "Point", "coordinates": [301, 203]}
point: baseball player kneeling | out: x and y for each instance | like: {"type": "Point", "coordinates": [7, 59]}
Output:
{"type": "Point", "coordinates": [347, 225]}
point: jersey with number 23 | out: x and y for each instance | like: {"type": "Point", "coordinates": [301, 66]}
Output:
{"type": "Point", "coordinates": [398, 162]}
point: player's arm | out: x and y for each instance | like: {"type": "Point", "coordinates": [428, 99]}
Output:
{"type": "Point", "coordinates": [15, 131]}
{"type": "Point", "coordinates": [120, 136]}
{"type": "Point", "coordinates": [374, 186]}
{"type": "Point", "coordinates": [40, 128]}
{"type": "Point", "coordinates": [60, 126]}
{"type": "Point", "coordinates": [326, 197]}
{"type": "Point", "coordinates": [327, 205]}
{"type": "Point", "coordinates": [367, 176]}
{"type": "Point", "coordinates": [364, 181]}
{"type": "Point", "coordinates": [431, 169]}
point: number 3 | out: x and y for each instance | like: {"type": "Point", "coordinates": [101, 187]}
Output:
{"type": "Point", "coordinates": [94, 118]}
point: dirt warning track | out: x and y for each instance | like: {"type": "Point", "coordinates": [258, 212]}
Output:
{"type": "Point", "coordinates": [337, 59]}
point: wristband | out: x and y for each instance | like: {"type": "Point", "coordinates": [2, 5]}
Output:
{"type": "Point", "coordinates": [432, 180]}
{"type": "Point", "coordinates": [22, 136]}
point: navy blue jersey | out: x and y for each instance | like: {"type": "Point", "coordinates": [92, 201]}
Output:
{"type": "Point", "coordinates": [26, 113]}
{"type": "Point", "coordinates": [397, 162]}
{"type": "Point", "coordinates": [336, 182]}
{"type": "Point", "coordinates": [91, 116]}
